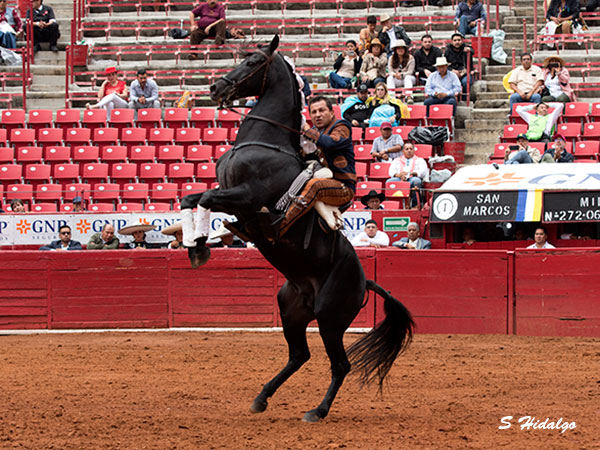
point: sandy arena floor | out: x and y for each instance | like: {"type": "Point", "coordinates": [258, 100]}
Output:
{"type": "Point", "coordinates": [193, 391]}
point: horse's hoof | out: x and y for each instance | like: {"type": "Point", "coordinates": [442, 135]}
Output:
{"type": "Point", "coordinates": [258, 406]}
{"type": "Point", "coordinates": [312, 416]}
{"type": "Point", "coordinates": [198, 255]}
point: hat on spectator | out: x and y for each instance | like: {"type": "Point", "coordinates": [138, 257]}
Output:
{"type": "Point", "coordinates": [110, 70]}
{"type": "Point", "coordinates": [362, 88]}
{"type": "Point", "coordinates": [441, 61]}
{"type": "Point", "coordinates": [558, 136]}
{"type": "Point", "coordinates": [385, 125]}
{"type": "Point", "coordinates": [550, 59]}
{"type": "Point", "coordinates": [375, 42]}
{"type": "Point", "coordinates": [372, 194]}
{"type": "Point", "coordinates": [399, 43]}
{"type": "Point", "coordinates": [133, 228]}
{"type": "Point", "coordinates": [384, 18]}
{"type": "Point", "coordinates": [77, 199]}
{"type": "Point", "coordinates": [522, 136]}
{"type": "Point", "coordinates": [172, 229]}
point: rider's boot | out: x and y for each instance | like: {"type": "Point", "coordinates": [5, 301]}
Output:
{"type": "Point", "coordinates": [269, 223]}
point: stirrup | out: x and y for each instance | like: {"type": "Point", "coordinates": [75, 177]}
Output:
{"type": "Point", "coordinates": [331, 215]}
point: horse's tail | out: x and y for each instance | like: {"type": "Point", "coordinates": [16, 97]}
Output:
{"type": "Point", "coordinates": [373, 354]}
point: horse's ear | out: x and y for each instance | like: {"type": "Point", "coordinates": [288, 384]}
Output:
{"type": "Point", "coordinates": [274, 44]}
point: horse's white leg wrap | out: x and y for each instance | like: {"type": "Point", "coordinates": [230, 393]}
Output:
{"type": "Point", "coordinates": [187, 226]}
{"type": "Point", "coordinates": [202, 222]}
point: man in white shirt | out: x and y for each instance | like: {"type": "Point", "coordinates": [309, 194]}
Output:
{"type": "Point", "coordinates": [388, 146]}
{"type": "Point", "coordinates": [371, 236]}
{"type": "Point", "coordinates": [411, 168]}
{"type": "Point", "coordinates": [526, 81]}
{"type": "Point", "coordinates": [541, 239]}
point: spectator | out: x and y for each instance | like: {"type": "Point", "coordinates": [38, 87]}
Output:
{"type": "Point", "coordinates": [228, 240]}
{"type": "Point", "coordinates": [144, 92]}
{"type": "Point", "coordinates": [442, 86]}
{"type": "Point", "coordinates": [347, 66]}
{"type": "Point", "coordinates": [521, 234]}
{"type": "Point", "coordinates": [523, 153]}
{"type": "Point", "coordinates": [64, 241]}
{"type": "Point", "coordinates": [139, 236]}
{"type": "Point", "coordinates": [112, 94]}
{"type": "Point", "coordinates": [468, 236]}
{"type": "Point", "coordinates": [541, 123]}
{"type": "Point", "coordinates": [11, 26]}
{"type": "Point", "coordinates": [17, 206]}
{"type": "Point", "coordinates": [541, 239]}
{"type": "Point", "coordinates": [105, 240]}
{"type": "Point", "coordinates": [468, 13]}
{"type": "Point", "coordinates": [389, 34]}
{"type": "Point", "coordinates": [388, 146]}
{"type": "Point", "coordinates": [425, 58]}
{"type": "Point", "coordinates": [401, 70]}
{"type": "Point", "coordinates": [558, 153]}
{"type": "Point", "coordinates": [177, 231]}
{"type": "Point", "coordinates": [526, 82]}
{"type": "Point", "coordinates": [207, 19]}
{"type": "Point", "coordinates": [78, 204]}
{"type": "Point", "coordinates": [411, 168]}
{"type": "Point", "coordinates": [562, 16]}
{"type": "Point", "coordinates": [373, 200]}
{"type": "Point", "coordinates": [366, 35]}
{"type": "Point", "coordinates": [45, 28]}
{"type": "Point", "coordinates": [374, 64]}
{"type": "Point", "coordinates": [371, 236]}
{"type": "Point", "coordinates": [457, 55]}
{"type": "Point", "coordinates": [385, 107]}
{"type": "Point", "coordinates": [556, 81]}
{"type": "Point", "coordinates": [413, 241]}
{"type": "Point", "coordinates": [355, 108]}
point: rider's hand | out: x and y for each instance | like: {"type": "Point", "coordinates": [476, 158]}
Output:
{"type": "Point", "coordinates": [312, 134]}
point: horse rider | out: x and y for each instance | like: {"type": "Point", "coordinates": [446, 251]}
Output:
{"type": "Point", "coordinates": [334, 139]}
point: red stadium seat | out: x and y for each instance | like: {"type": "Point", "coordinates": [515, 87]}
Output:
{"type": "Point", "coordinates": [195, 153]}
{"type": "Point", "coordinates": [591, 131]}
{"type": "Point", "coordinates": [39, 118]}
{"type": "Point", "coordinates": [187, 136]}
{"type": "Point", "coordinates": [37, 172]}
{"type": "Point", "coordinates": [397, 189]}
{"type": "Point", "coordinates": [73, 190]}
{"type": "Point", "coordinates": [94, 118]}
{"type": "Point", "coordinates": [192, 188]}
{"type": "Point", "coordinates": [48, 192]}
{"type": "Point", "coordinates": [141, 153]}
{"type": "Point", "coordinates": [57, 153]}
{"type": "Point", "coordinates": [214, 136]}
{"type": "Point", "coordinates": [363, 152]}
{"type": "Point", "coordinates": [361, 170]}
{"type": "Point", "coordinates": [571, 131]}
{"type": "Point", "coordinates": [357, 134]}
{"type": "Point", "coordinates": [206, 171]}
{"type": "Point", "coordinates": [106, 191]}
{"type": "Point", "coordinates": [229, 119]}
{"type": "Point", "coordinates": [106, 136]}
{"type": "Point", "coordinates": [181, 172]}
{"type": "Point", "coordinates": [379, 171]}
{"type": "Point", "coordinates": [391, 205]}
{"type": "Point", "coordinates": [149, 118]}
{"type": "Point", "coordinates": [21, 191]}
{"type": "Point", "coordinates": [137, 192]}
{"type": "Point", "coordinates": [418, 116]}
{"type": "Point", "coordinates": [122, 118]}
{"type": "Point", "coordinates": [11, 172]}
{"type": "Point", "coordinates": [77, 136]}
{"type": "Point", "coordinates": [370, 134]}
{"type": "Point", "coordinates": [514, 118]}
{"type": "Point", "coordinates": [129, 207]}
{"type": "Point", "coordinates": [94, 172]}
{"type": "Point", "coordinates": [499, 151]}
{"type": "Point", "coordinates": [176, 117]}
{"type": "Point", "coordinates": [66, 173]}
{"type": "Point", "coordinates": [586, 150]}
{"type": "Point", "coordinates": [7, 155]}
{"type": "Point", "coordinates": [233, 132]}
{"type": "Point", "coordinates": [220, 150]}
{"type": "Point", "coordinates": [364, 187]}
{"type": "Point", "coordinates": [157, 207]}
{"type": "Point", "coordinates": [113, 153]}
{"type": "Point", "coordinates": [66, 207]}
{"type": "Point", "coordinates": [203, 117]}
{"type": "Point", "coordinates": [85, 153]}
{"type": "Point", "coordinates": [576, 112]}
{"type": "Point", "coordinates": [22, 137]}
{"type": "Point", "coordinates": [152, 172]}
{"type": "Point", "coordinates": [424, 150]}
{"type": "Point", "coordinates": [50, 136]}
{"type": "Point", "coordinates": [101, 207]}
{"type": "Point", "coordinates": [441, 116]}
{"type": "Point", "coordinates": [123, 172]}
{"type": "Point", "coordinates": [44, 208]}
{"type": "Point", "coordinates": [29, 154]}
{"type": "Point", "coordinates": [511, 132]}
{"type": "Point", "coordinates": [133, 136]}
{"type": "Point", "coordinates": [12, 118]}
{"type": "Point", "coordinates": [3, 137]}
{"type": "Point", "coordinates": [67, 118]}
{"type": "Point", "coordinates": [403, 131]}
{"type": "Point", "coordinates": [163, 191]}
{"type": "Point", "coordinates": [161, 136]}
{"type": "Point", "coordinates": [170, 153]}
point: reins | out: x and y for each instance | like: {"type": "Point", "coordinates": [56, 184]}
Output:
{"type": "Point", "coordinates": [263, 119]}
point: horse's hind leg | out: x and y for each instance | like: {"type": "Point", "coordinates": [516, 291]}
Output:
{"type": "Point", "coordinates": [295, 317]}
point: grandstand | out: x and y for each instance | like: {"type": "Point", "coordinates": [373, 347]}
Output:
{"type": "Point", "coordinates": [151, 162]}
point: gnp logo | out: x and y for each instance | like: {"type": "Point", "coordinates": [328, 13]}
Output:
{"type": "Point", "coordinates": [83, 226]}
{"type": "Point", "coordinates": [23, 226]}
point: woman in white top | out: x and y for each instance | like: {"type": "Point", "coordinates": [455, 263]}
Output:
{"type": "Point", "coordinates": [557, 81]}
{"type": "Point", "coordinates": [401, 69]}
{"type": "Point", "coordinates": [346, 67]}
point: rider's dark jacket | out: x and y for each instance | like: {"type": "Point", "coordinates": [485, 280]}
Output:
{"type": "Point", "coordinates": [336, 145]}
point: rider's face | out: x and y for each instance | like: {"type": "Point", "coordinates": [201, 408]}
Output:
{"type": "Point", "coordinates": [320, 114]}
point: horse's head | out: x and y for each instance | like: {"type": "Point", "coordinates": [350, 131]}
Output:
{"type": "Point", "coordinates": [248, 79]}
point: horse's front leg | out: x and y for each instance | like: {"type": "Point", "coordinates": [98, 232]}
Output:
{"type": "Point", "coordinates": [195, 235]}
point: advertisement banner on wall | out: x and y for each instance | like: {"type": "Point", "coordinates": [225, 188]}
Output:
{"type": "Point", "coordinates": [41, 229]}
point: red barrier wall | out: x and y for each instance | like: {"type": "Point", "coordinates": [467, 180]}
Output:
{"type": "Point", "coordinates": [448, 291]}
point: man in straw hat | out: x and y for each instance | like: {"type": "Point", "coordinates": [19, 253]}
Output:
{"type": "Point", "coordinates": [442, 86]}
{"type": "Point", "coordinates": [374, 65]}
{"type": "Point", "coordinates": [174, 230]}
{"type": "Point", "coordinates": [105, 240]}
{"type": "Point", "coordinates": [390, 33]}
{"type": "Point", "coordinates": [139, 236]}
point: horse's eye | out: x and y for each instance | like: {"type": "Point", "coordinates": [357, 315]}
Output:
{"type": "Point", "coordinates": [251, 63]}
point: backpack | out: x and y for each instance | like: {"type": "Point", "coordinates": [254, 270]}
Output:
{"type": "Point", "coordinates": [184, 101]}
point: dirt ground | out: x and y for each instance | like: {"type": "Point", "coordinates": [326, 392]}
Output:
{"type": "Point", "coordinates": [192, 391]}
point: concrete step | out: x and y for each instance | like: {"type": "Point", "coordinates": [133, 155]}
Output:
{"type": "Point", "coordinates": [488, 113]}
{"type": "Point", "coordinates": [45, 83]}
{"type": "Point", "coordinates": [487, 136]}
{"type": "Point", "coordinates": [480, 124]}
{"type": "Point", "coordinates": [46, 102]}
{"type": "Point", "coordinates": [500, 104]}
{"type": "Point", "coordinates": [498, 95]}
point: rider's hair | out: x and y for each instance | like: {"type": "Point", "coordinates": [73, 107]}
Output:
{"type": "Point", "coordinates": [320, 98]}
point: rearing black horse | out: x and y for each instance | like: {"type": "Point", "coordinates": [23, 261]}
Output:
{"type": "Point", "coordinates": [325, 280]}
